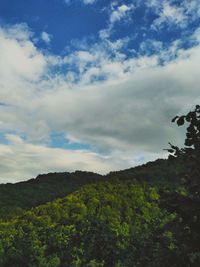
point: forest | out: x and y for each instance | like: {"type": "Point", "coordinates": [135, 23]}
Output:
{"type": "Point", "coordinates": [147, 216]}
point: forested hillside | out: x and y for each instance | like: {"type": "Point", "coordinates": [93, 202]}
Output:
{"type": "Point", "coordinates": [15, 198]}
{"type": "Point", "coordinates": [118, 223]}
{"type": "Point", "coordinates": [104, 224]}
{"type": "Point", "coordinates": [148, 216]}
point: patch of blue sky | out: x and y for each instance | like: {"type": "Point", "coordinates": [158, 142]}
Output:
{"type": "Point", "coordinates": [98, 78]}
{"type": "Point", "coordinates": [62, 68]}
{"type": "Point", "coordinates": [3, 136]}
{"type": "Point", "coordinates": [67, 23]}
{"type": "Point", "coordinates": [3, 139]}
{"type": "Point", "coordinates": [102, 4]}
{"type": "Point", "coordinates": [138, 30]}
{"type": "Point", "coordinates": [58, 140]}
{"type": "Point", "coordinates": [63, 22]}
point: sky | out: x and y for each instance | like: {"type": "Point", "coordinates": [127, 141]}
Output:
{"type": "Point", "coordinates": [93, 84]}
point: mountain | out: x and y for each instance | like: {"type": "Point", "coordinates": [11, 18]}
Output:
{"type": "Point", "coordinates": [107, 224]}
{"type": "Point", "coordinates": [142, 216]}
{"type": "Point", "coordinates": [15, 198]}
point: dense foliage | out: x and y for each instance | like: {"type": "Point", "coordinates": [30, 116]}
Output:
{"type": "Point", "coordinates": [105, 224]}
{"type": "Point", "coordinates": [15, 198]}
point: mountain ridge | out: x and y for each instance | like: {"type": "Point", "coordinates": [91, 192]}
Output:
{"type": "Point", "coordinates": [14, 198]}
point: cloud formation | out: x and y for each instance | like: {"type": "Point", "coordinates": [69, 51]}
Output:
{"type": "Point", "coordinates": [172, 14]}
{"type": "Point", "coordinates": [46, 37]}
{"type": "Point", "coordinates": [23, 160]}
{"type": "Point", "coordinates": [120, 106]}
{"type": "Point", "coordinates": [117, 13]}
{"type": "Point", "coordinates": [19, 56]}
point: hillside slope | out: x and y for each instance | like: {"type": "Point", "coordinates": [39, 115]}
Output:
{"type": "Point", "coordinates": [108, 224]}
{"type": "Point", "coordinates": [144, 216]}
{"type": "Point", "coordinates": [14, 198]}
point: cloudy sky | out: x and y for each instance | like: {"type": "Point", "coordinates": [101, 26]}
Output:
{"type": "Point", "coordinates": [93, 84]}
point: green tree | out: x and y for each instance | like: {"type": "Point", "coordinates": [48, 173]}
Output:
{"type": "Point", "coordinates": [187, 205]}
{"type": "Point", "coordinates": [190, 153]}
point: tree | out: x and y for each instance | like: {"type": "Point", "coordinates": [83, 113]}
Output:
{"type": "Point", "coordinates": [190, 154]}
{"type": "Point", "coordinates": [187, 206]}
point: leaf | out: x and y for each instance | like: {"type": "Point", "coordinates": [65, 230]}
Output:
{"type": "Point", "coordinates": [197, 107]}
{"type": "Point", "coordinates": [189, 135]}
{"type": "Point", "coordinates": [173, 147]}
{"type": "Point", "coordinates": [174, 119]}
{"type": "Point", "coordinates": [170, 150]}
{"type": "Point", "coordinates": [181, 120]}
{"type": "Point", "coordinates": [189, 142]}
{"type": "Point", "coordinates": [188, 117]}
{"type": "Point", "coordinates": [191, 129]}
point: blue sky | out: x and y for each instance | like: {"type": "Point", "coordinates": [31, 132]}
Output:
{"type": "Point", "coordinates": [93, 84]}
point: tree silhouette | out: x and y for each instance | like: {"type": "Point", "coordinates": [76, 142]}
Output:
{"type": "Point", "coordinates": [186, 228]}
{"type": "Point", "coordinates": [190, 154]}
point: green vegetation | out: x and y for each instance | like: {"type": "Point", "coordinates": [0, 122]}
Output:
{"type": "Point", "coordinates": [105, 224]}
{"type": "Point", "coordinates": [187, 205]}
{"type": "Point", "coordinates": [15, 198]}
{"type": "Point", "coordinates": [147, 216]}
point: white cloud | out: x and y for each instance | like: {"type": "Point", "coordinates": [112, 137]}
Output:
{"type": "Point", "coordinates": [23, 160]}
{"type": "Point", "coordinates": [46, 37]}
{"type": "Point", "coordinates": [196, 35]}
{"type": "Point", "coordinates": [170, 15]}
{"type": "Point", "coordinates": [151, 46]}
{"type": "Point", "coordinates": [192, 8]}
{"type": "Point", "coordinates": [19, 57]}
{"type": "Point", "coordinates": [96, 62]}
{"type": "Point", "coordinates": [122, 117]}
{"type": "Point", "coordinates": [119, 13]}
{"type": "Point", "coordinates": [89, 1]}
